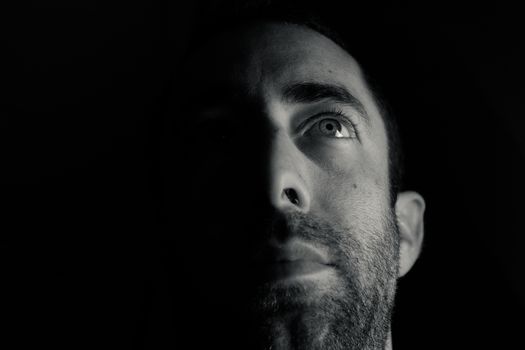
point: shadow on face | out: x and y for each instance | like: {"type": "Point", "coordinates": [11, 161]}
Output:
{"type": "Point", "coordinates": [275, 119]}
{"type": "Point", "coordinates": [276, 123]}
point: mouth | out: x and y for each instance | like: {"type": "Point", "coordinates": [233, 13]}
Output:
{"type": "Point", "coordinates": [286, 270]}
{"type": "Point", "coordinates": [293, 260]}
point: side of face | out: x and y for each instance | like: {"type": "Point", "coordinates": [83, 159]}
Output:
{"type": "Point", "coordinates": [278, 121]}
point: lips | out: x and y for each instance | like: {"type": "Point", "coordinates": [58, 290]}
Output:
{"type": "Point", "coordinates": [292, 251]}
{"type": "Point", "coordinates": [292, 259]}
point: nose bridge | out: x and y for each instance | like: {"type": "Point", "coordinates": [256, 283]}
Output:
{"type": "Point", "coordinates": [287, 186]}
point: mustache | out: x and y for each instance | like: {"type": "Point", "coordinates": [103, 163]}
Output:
{"type": "Point", "coordinates": [302, 226]}
{"type": "Point", "coordinates": [310, 229]}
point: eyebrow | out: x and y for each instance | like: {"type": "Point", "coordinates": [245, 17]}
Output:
{"type": "Point", "coordinates": [311, 92]}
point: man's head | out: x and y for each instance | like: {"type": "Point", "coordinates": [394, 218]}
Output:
{"type": "Point", "coordinates": [294, 227]}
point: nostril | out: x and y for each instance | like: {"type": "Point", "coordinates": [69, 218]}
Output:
{"type": "Point", "coordinates": [292, 196]}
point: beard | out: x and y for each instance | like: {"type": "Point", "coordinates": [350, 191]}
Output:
{"type": "Point", "coordinates": [353, 309]}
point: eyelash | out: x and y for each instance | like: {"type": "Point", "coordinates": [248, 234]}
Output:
{"type": "Point", "coordinates": [332, 112]}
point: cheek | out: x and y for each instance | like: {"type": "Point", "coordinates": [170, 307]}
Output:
{"type": "Point", "coordinates": [357, 188]}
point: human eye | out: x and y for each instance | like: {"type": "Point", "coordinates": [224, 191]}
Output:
{"type": "Point", "coordinates": [330, 124]}
{"type": "Point", "coordinates": [219, 133]}
{"type": "Point", "coordinates": [213, 126]}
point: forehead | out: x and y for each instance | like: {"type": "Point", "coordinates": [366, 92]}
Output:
{"type": "Point", "coordinates": [261, 58]}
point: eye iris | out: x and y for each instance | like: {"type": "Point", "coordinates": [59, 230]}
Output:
{"type": "Point", "coordinates": [329, 126]}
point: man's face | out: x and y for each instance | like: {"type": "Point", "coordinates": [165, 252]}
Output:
{"type": "Point", "coordinates": [286, 194]}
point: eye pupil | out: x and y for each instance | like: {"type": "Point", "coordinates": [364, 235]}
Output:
{"type": "Point", "coordinates": [329, 126]}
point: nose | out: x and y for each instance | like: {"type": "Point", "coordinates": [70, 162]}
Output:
{"type": "Point", "coordinates": [287, 187]}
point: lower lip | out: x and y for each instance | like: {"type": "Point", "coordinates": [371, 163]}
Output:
{"type": "Point", "coordinates": [294, 269]}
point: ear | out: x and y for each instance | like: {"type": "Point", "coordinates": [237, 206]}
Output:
{"type": "Point", "coordinates": [410, 207]}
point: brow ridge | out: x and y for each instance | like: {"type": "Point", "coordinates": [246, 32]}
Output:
{"type": "Point", "coordinates": [312, 92]}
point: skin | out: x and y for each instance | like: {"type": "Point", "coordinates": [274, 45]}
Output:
{"type": "Point", "coordinates": [266, 145]}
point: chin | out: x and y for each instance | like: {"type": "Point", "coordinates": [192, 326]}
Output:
{"type": "Point", "coordinates": [297, 294]}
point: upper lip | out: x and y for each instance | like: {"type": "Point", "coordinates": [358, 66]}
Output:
{"type": "Point", "coordinates": [293, 250]}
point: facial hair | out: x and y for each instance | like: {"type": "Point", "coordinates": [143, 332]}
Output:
{"type": "Point", "coordinates": [353, 312]}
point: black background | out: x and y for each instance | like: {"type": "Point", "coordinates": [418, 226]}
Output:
{"type": "Point", "coordinates": [83, 87]}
